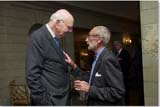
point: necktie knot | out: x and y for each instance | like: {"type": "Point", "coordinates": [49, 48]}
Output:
{"type": "Point", "coordinates": [57, 42]}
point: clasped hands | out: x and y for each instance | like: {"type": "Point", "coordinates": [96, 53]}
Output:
{"type": "Point", "coordinates": [78, 84]}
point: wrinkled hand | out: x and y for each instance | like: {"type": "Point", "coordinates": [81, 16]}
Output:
{"type": "Point", "coordinates": [70, 61]}
{"type": "Point", "coordinates": [81, 86]}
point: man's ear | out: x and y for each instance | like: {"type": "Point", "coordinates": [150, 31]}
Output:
{"type": "Point", "coordinates": [99, 39]}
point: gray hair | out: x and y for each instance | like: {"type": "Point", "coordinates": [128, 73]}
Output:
{"type": "Point", "coordinates": [103, 32]}
{"type": "Point", "coordinates": [55, 17]}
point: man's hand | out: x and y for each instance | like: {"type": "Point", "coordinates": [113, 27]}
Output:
{"type": "Point", "coordinates": [70, 61]}
{"type": "Point", "coordinates": [81, 86]}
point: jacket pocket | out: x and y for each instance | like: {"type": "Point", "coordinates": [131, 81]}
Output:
{"type": "Point", "coordinates": [41, 99]}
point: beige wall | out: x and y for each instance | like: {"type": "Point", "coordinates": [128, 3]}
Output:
{"type": "Point", "coordinates": [149, 31]}
{"type": "Point", "coordinates": [14, 26]}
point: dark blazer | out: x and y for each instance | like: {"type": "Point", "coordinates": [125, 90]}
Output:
{"type": "Point", "coordinates": [107, 87]}
{"type": "Point", "coordinates": [46, 70]}
{"type": "Point", "coordinates": [125, 65]}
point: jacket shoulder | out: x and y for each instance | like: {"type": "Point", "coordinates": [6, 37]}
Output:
{"type": "Point", "coordinates": [38, 33]}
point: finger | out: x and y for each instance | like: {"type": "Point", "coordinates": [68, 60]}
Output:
{"type": "Point", "coordinates": [78, 89]}
{"type": "Point", "coordinates": [77, 81]}
{"type": "Point", "coordinates": [77, 85]}
{"type": "Point", "coordinates": [84, 83]}
{"type": "Point", "coordinates": [66, 60]}
{"type": "Point", "coordinates": [66, 55]}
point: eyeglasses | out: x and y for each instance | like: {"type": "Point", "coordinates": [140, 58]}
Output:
{"type": "Point", "coordinates": [70, 28]}
{"type": "Point", "coordinates": [94, 36]}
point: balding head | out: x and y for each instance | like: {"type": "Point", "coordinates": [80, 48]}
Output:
{"type": "Point", "coordinates": [61, 21]}
{"type": "Point", "coordinates": [64, 15]}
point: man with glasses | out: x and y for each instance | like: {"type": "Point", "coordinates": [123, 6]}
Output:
{"type": "Point", "coordinates": [105, 86]}
{"type": "Point", "coordinates": [46, 70]}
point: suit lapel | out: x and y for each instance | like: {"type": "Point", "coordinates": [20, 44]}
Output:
{"type": "Point", "coordinates": [98, 63]}
{"type": "Point", "coordinates": [54, 45]}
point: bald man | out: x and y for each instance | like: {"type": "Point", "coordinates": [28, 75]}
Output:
{"type": "Point", "coordinates": [46, 70]}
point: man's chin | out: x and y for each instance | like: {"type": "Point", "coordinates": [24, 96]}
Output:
{"type": "Point", "coordinates": [61, 36]}
{"type": "Point", "coordinates": [90, 48]}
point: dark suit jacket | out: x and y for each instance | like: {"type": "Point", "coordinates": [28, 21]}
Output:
{"type": "Point", "coordinates": [125, 65]}
{"type": "Point", "coordinates": [107, 87]}
{"type": "Point", "coordinates": [46, 70]}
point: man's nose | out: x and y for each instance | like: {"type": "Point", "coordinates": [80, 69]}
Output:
{"type": "Point", "coordinates": [86, 39]}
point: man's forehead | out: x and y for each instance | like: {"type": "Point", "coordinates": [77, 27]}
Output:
{"type": "Point", "coordinates": [69, 21]}
{"type": "Point", "coordinates": [92, 32]}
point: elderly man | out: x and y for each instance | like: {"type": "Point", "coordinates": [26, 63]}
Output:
{"type": "Point", "coordinates": [46, 70]}
{"type": "Point", "coordinates": [105, 85]}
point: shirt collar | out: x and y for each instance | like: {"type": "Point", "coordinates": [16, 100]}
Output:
{"type": "Point", "coordinates": [119, 51]}
{"type": "Point", "coordinates": [51, 32]}
{"type": "Point", "coordinates": [99, 52]}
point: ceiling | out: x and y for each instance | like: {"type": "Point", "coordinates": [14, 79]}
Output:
{"type": "Point", "coordinates": [127, 10]}
{"type": "Point", "coordinates": [123, 9]}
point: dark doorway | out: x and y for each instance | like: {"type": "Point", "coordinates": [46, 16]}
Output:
{"type": "Point", "coordinates": [34, 27]}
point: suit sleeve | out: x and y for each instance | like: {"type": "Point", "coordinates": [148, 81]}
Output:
{"type": "Point", "coordinates": [34, 61]}
{"type": "Point", "coordinates": [114, 87]}
{"type": "Point", "coordinates": [77, 73]}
